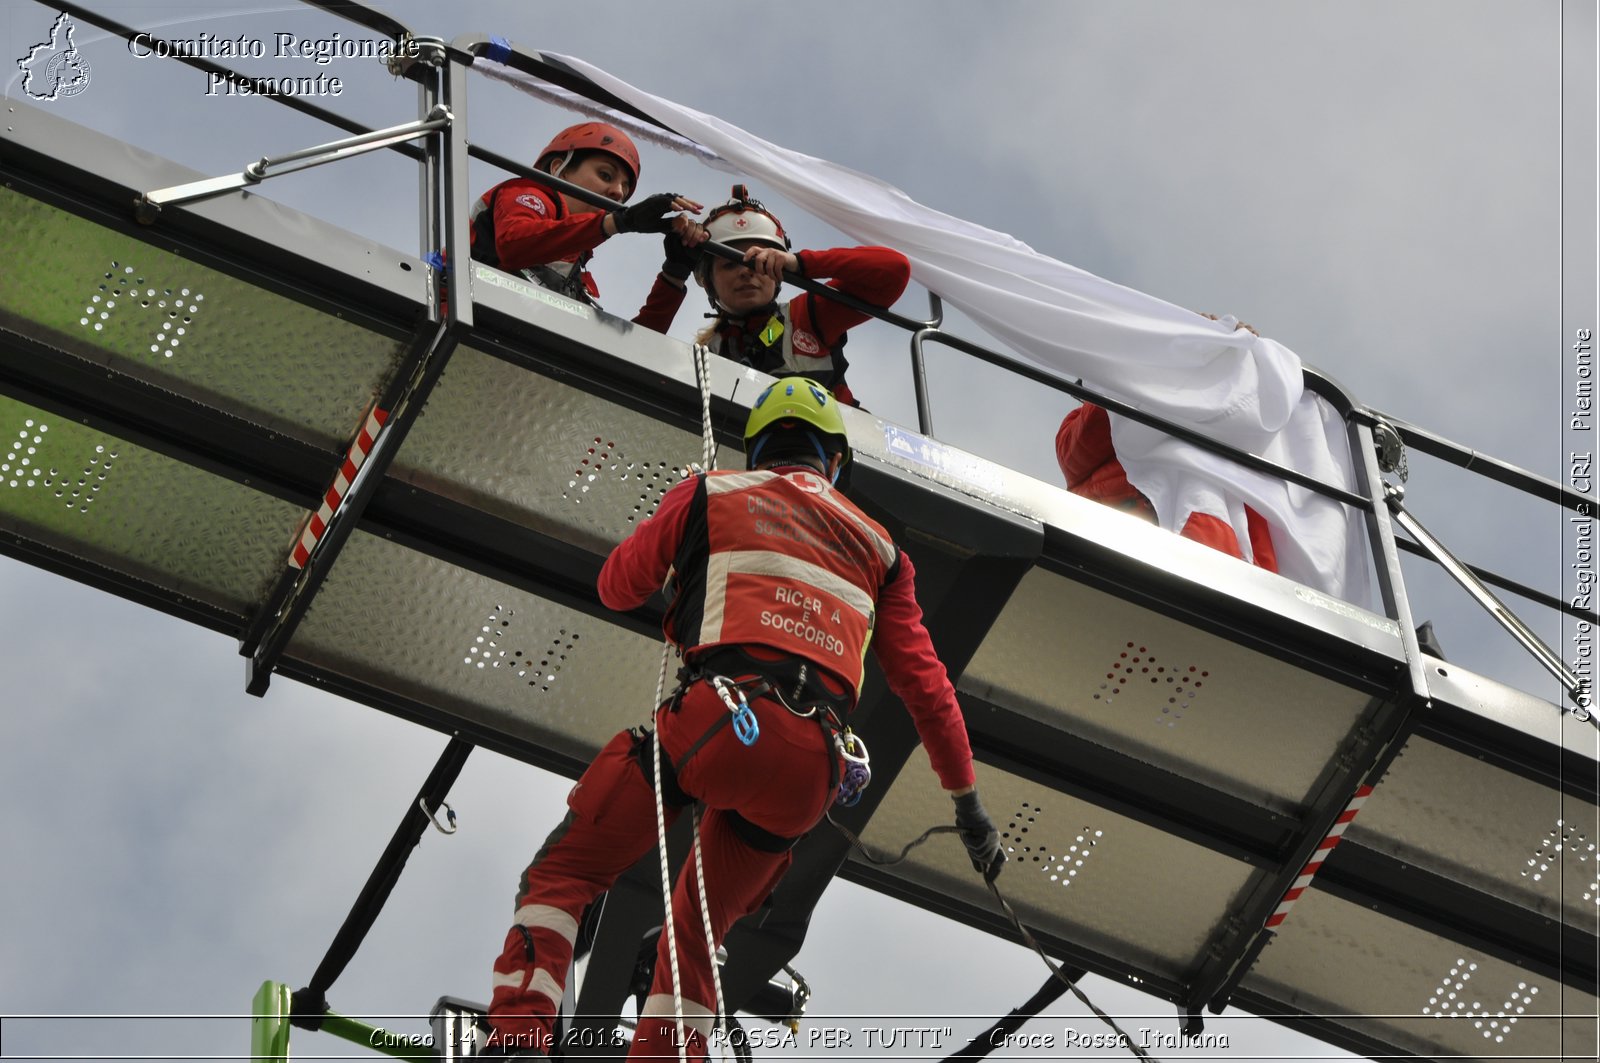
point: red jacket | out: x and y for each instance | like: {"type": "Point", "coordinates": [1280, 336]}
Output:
{"type": "Point", "coordinates": [522, 225]}
{"type": "Point", "coordinates": [815, 525]}
{"type": "Point", "coordinates": [1089, 462]}
{"type": "Point", "coordinates": [814, 327]}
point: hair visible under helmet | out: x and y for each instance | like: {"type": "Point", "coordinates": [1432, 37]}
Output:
{"type": "Point", "coordinates": [593, 136]}
{"type": "Point", "coordinates": [740, 219]}
{"type": "Point", "coordinates": [796, 417]}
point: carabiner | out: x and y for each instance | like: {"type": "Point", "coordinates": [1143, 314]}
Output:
{"type": "Point", "coordinates": [745, 724]}
{"type": "Point", "coordinates": [857, 767]}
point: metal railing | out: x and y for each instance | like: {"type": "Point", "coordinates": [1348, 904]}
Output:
{"type": "Point", "coordinates": [1371, 432]}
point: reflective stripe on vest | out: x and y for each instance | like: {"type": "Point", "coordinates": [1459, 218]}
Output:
{"type": "Point", "coordinates": [819, 367]}
{"type": "Point", "coordinates": [794, 566]}
{"type": "Point", "coordinates": [565, 278]}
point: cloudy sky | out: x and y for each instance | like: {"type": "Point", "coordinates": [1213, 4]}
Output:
{"type": "Point", "coordinates": [1375, 185]}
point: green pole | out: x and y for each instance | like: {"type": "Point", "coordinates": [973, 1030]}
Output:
{"type": "Point", "coordinates": [269, 1031]}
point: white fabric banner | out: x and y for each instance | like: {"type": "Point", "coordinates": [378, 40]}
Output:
{"type": "Point", "coordinates": [1231, 385]}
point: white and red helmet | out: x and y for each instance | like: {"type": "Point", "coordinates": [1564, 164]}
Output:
{"type": "Point", "coordinates": [743, 218]}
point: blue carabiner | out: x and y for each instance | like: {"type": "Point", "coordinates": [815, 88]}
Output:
{"type": "Point", "coordinates": [745, 724]}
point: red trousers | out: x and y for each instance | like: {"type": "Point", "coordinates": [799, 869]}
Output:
{"type": "Point", "coordinates": [781, 783]}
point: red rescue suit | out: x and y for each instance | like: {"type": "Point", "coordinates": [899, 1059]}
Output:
{"type": "Point", "coordinates": [809, 335]}
{"type": "Point", "coordinates": [781, 565]}
{"type": "Point", "coordinates": [523, 227]}
{"type": "Point", "coordinates": [1089, 462]}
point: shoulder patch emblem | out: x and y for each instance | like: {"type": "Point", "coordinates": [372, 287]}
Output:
{"type": "Point", "coordinates": [805, 342]}
{"type": "Point", "coordinates": [533, 203]}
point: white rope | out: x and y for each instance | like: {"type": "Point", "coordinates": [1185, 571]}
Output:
{"type": "Point", "coordinates": [702, 372]}
{"type": "Point", "coordinates": [708, 455]}
{"type": "Point", "coordinates": [666, 870]}
{"type": "Point", "coordinates": [721, 1025]}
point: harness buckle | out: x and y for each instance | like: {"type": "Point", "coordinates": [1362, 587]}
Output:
{"type": "Point", "coordinates": [745, 724]}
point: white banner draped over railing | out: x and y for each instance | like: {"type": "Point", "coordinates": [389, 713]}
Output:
{"type": "Point", "coordinates": [1231, 385]}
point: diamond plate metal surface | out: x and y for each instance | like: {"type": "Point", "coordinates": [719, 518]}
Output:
{"type": "Point", "coordinates": [1387, 979]}
{"type": "Point", "coordinates": [165, 319]}
{"type": "Point", "coordinates": [477, 649]}
{"type": "Point", "coordinates": [1075, 870]}
{"type": "Point", "coordinates": [531, 449]}
{"type": "Point", "coordinates": [139, 512]}
{"type": "Point", "coordinates": [1163, 691]}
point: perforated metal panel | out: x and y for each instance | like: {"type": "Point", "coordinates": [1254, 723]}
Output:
{"type": "Point", "coordinates": [543, 453]}
{"type": "Point", "coordinates": [1075, 870]}
{"type": "Point", "coordinates": [1227, 698]}
{"type": "Point", "coordinates": [100, 498]}
{"type": "Point", "coordinates": [1392, 981]}
{"type": "Point", "coordinates": [469, 646]}
{"type": "Point", "coordinates": [1483, 826]}
{"type": "Point", "coordinates": [1166, 692]}
{"type": "Point", "coordinates": [157, 316]}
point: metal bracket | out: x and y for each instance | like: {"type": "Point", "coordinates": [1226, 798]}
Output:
{"type": "Point", "coordinates": [148, 206]}
{"type": "Point", "coordinates": [413, 52]}
{"type": "Point", "coordinates": [1577, 687]}
{"type": "Point", "coordinates": [1391, 450]}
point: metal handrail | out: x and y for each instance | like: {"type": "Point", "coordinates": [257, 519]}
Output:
{"type": "Point", "coordinates": [466, 49]}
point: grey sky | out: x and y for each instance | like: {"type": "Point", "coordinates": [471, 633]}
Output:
{"type": "Point", "coordinates": [1373, 184]}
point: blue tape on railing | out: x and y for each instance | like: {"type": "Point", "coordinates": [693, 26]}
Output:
{"type": "Point", "coordinates": [436, 260]}
{"type": "Point", "coordinates": [499, 49]}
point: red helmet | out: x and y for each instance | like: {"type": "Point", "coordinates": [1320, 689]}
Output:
{"type": "Point", "coordinates": [595, 136]}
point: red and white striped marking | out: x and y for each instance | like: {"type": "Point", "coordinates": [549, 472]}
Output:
{"type": "Point", "coordinates": [1312, 865]}
{"type": "Point", "coordinates": [311, 532]}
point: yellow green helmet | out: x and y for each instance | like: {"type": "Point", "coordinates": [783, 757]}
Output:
{"type": "Point", "coordinates": [796, 402]}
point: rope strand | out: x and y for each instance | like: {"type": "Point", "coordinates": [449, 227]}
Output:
{"type": "Point", "coordinates": [708, 461]}
{"type": "Point", "coordinates": [1016, 923]}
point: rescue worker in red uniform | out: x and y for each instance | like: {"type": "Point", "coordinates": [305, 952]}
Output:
{"type": "Point", "coordinates": [806, 335]}
{"type": "Point", "coordinates": [549, 237]}
{"type": "Point", "coordinates": [1089, 462]}
{"type": "Point", "coordinates": [779, 586]}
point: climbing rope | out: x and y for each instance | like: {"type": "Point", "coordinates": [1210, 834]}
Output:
{"type": "Point", "coordinates": [708, 461]}
{"type": "Point", "coordinates": [1010, 913]}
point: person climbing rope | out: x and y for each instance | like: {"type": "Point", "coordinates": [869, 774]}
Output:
{"type": "Point", "coordinates": [779, 585]}
{"type": "Point", "coordinates": [549, 237]}
{"type": "Point", "coordinates": [805, 335]}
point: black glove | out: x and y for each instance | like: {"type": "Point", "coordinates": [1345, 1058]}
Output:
{"type": "Point", "coordinates": [681, 259]}
{"type": "Point", "coordinates": [979, 836]}
{"type": "Point", "coordinates": [649, 215]}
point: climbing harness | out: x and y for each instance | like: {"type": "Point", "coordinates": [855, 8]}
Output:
{"type": "Point", "coordinates": [1010, 913]}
